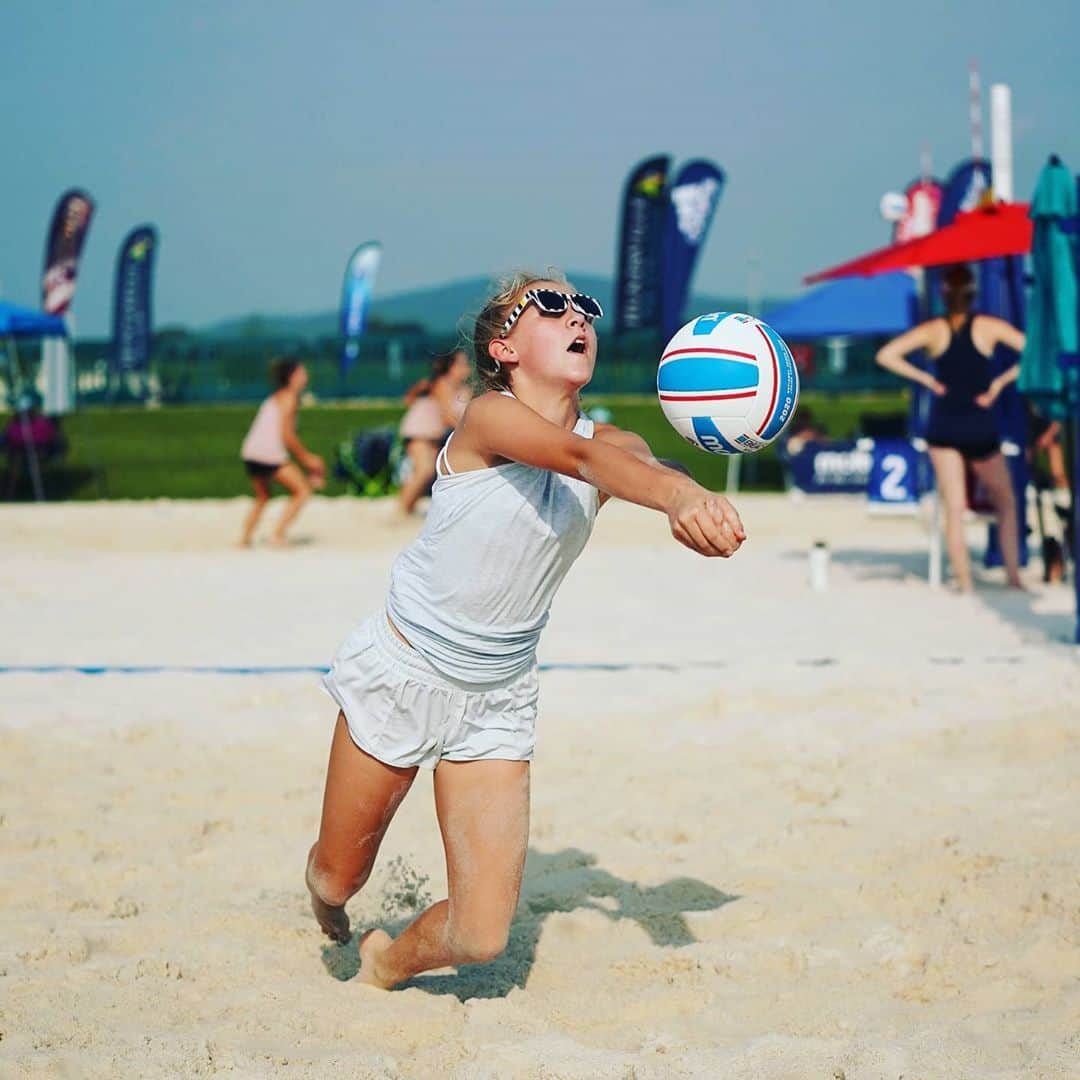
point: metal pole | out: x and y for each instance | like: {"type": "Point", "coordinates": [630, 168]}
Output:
{"type": "Point", "coordinates": [1001, 150]}
{"type": "Point", "coordinates": [753, 299]}
{"type": "Point", "coordinates": [975, 110]}
{"type": "Point", "coordinates": [734, 467]}
{"type": "Point", "coordinates": [934, 573]}
{"type": "Point", "coordinates": [24, 423]}
{"type": "Point", "coordinates": [31, 457]}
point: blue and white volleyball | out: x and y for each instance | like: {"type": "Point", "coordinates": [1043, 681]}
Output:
{"type": "Point", "coordinates": [728, 383]}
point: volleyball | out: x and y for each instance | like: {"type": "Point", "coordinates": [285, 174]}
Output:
{"type": "Point", "coordinates": [727, 383]}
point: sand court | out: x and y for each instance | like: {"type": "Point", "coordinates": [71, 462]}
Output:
{"type": "Point", "coordinates": [775, 833]}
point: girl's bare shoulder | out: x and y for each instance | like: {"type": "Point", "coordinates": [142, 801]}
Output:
{"type": "Point", "coordinates": [935, 335]}
{"type": "Point", "coordinates": [488, 404]}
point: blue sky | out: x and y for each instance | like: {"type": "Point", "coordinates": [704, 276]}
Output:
{"type": "Point", "coordinates": [266, 139]}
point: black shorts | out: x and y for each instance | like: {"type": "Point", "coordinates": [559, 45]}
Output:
{"type": "Point", "coordinates": [260, 468]}
{"type": "Point", "coordinates": [975, 451]}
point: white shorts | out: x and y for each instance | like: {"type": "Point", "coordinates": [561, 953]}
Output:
{"type": "Point", "coordinates": [402, 711]}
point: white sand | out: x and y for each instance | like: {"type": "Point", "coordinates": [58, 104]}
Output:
{"type": "Point", "coordinates": [779, 834]}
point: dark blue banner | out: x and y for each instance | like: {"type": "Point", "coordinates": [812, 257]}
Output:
{"type": "Point", "coordinates": [133, 289]}
{"type": "Point", "coordinates": [356, 298]}
{"type": "Point", "coordinates": [641, 231]}
{"type": "Point", "coordinates": [691, 204]}
{"type": "Point", "coordinates": [965, 189]}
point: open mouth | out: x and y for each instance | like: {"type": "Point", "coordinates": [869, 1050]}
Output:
{"type": "Point", "coordinates": [577, 345]}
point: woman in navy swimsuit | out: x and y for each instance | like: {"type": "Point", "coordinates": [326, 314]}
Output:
{"type": "Point", "coordinates": [963, 427]}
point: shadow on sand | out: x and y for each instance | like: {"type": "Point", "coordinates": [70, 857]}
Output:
{"type": "Point", "coordinates": [561, 881]}
{"type": "Point", "coordinates": [1018, 608]}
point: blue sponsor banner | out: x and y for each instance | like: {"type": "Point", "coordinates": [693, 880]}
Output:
{"type": "Point", "coordinates": [894, 473]}
{"type": "Point", "coordinates": [641, 230]}
{"type": "Point", "coordinates": [1001, 293]}
{"type": "Point", "coordinates": [132, 301]}
{"type": "Point", "coordinates": [692, 201]}
{"type": "Point", "coordinates": [829, 467]}
{"type": "Point", "coordinates": [356, 298]}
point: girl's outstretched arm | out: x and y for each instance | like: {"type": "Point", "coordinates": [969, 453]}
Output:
{"type": "Point", "coordinates": [633, 443]}
{"type": "Point", "coordinates": [497, 426]}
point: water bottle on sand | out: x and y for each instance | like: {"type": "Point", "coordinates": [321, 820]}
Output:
{"type": "Point", "coordinates": [819, 566]}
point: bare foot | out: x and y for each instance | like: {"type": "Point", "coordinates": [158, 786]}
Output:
{"type": "Point", "coordinates": [372, 945]}
{"type": "Point", "coordinates": [333, 920]}
{"type": "Point", "coordinates": [278, 542]}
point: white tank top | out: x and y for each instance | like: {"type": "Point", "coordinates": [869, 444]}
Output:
{"type": "Point", "coordinates": [472, 592]}
{"type": "Point", "coordinates": [264, 442]}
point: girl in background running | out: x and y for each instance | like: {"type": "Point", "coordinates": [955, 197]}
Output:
{"type": "Point", "coordinates": [435, 407]}
{"type": "Point", "coordinates": [266, 448]}
{"type": "Point", "coordinates": [445, 676]}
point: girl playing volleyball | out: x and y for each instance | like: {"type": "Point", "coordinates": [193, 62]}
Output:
{"type": "Point", "coordinates": [446, 677]}
{"type": "Point", "coordinates": [266, 448]}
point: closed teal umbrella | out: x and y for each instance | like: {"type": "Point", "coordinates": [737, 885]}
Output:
{"type": "Point", "coordinates": [1052, 316]}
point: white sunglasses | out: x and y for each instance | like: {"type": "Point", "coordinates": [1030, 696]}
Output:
{"type": "Point", "coordinates": [553, 302]}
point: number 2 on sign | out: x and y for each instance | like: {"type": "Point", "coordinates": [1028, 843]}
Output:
{"type": "Point", "coordinates": [895, 468]}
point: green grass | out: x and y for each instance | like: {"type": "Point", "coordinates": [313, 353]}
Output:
{"type": "Point", "coordinates": [192, 451]}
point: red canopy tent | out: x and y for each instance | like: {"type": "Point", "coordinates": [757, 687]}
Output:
{"type": "Point", "coordinates": [987, 233]}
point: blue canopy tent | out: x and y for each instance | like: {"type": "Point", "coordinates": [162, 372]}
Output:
{"type": "Point", "coordinates": [849, 307]}
{"type": "Point", "coordinates": [879, 306]}
{"type": "Point", "coordinates": [21, 322]}
{"type": "Point", "coordinates": [16, 321]}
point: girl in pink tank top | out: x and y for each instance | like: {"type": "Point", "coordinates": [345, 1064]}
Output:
{"type": "Point", "coordinates": [266, 447]}
{"type": "Point", "coordinates": [435, 407]}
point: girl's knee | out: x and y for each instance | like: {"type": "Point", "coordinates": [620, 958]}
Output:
{"type": "Point", "coordinates": [333, 884]}
{"type": "Point", "coordinates": [479, 945]}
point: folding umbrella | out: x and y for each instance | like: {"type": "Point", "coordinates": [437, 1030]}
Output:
{"type": "Point", "coordinates": [1052, 324]}
{"type": "Point", "coordinates": [986, 233]}
{"type": "Point", "coordinates": [1052, 335]}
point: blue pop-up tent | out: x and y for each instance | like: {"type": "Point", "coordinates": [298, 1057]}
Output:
{"type": "Point", "coordinates": [17, 322]}
{"type": "Point", "coordinates": [849, 307]}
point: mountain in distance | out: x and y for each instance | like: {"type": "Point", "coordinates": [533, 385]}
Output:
{"type": "Point", "coordinates": [440, 309]}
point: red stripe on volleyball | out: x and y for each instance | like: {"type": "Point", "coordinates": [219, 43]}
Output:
{"type": "Point", "coordinates": [710, 352]}
{"type": "Point", "coordinates": [708, 397]}
{"type": "Point", "coordinates": [775, 380]}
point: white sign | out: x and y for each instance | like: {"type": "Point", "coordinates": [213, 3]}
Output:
{"type": "Point", "coordinates": [693, 203]}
